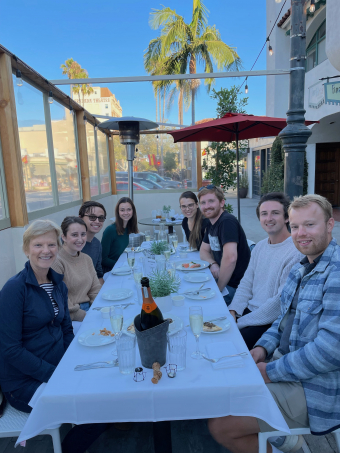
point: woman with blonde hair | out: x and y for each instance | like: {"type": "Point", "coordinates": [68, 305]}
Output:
{"type": "Point", "coordinates": [194, 224]}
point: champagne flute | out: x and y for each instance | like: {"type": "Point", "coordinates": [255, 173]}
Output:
{"type": "Point", "coordinates": [174, 240]}
{"type": "Point", "coordinates": [137, 274]}
{"type": "Point", "coordinates": [196, 325]}
{"type": "Point", "coordinates": [116, 319]}
{"type": "Point", "coordinates": [131, 260]}
{"type": "Point", "coordinates": [167, 252]}
{"type": "Point", "coordinates": [147, 235]}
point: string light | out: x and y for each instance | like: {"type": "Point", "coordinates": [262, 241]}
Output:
{"type": "Point", "coordinates": [246, 87]}
{"type": "Point", "coordinates": [278, 1]}
{"type": "Point", "coordinates": [270, 50]}
{"type": "Point", "coordinates": [110, 137]}
{"type": "Point", "coordinates": [85, 119]}
{"type": "Point", "coordinates": [312, 6]}
{"type": "Point", "coordinates": [71, 111]}
{"type": "Point", "coordinates": [18, 76]}
{"type": "Point", "coordinates": [50, 97]}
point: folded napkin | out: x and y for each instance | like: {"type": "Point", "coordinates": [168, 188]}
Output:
{"type": "Point", "coordinates": [174, 221]}
{"type": "Point", "coordinates": [156, 220]}
{"type": "Point", "coordinates": [221, 348]}
{"type": "Point", "coordinates": [120, 270]}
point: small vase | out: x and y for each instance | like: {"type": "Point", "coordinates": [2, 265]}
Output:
{"type": "Point", "coordinates": [164, 303]}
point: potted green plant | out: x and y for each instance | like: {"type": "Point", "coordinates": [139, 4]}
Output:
{"type": "Point", "coordinates": [162, 285]}
{"type": "Point", "coordinates": [166, 210]}
{"type": "Point", "coordinates": [243, 185]}
{"type": "Point", "coordinates": [158, 247]}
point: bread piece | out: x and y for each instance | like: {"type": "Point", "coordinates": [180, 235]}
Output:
{"type": "Point", "coordinates": [211, 327]}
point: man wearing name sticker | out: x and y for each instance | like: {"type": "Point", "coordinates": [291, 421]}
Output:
{"type": "Point", "coordinates": [303, 344]}
{"type": "Point", "coordinates": [224, 244]}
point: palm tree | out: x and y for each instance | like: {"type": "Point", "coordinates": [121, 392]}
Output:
{"type": "Point", "coordinates": [181, 45]}
{"type": "Point", "coordinates": [73, 70]}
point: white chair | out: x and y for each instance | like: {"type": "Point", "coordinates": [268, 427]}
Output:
{"type": "Point", "coordinates": [263, 437]}
{"type": "Point", "coordinates": [13, 421]}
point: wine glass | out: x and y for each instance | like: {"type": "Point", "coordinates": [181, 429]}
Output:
{"type": "Point", "coordinates": [174, 240]}
{"type": "Point", "coordinates": [167, 252]}
{"type": "Point", "coordinates": [116, 319]}
{"type": "Point", "coordinates": [196, 325]}
{"type": "Point", "coordinates": [147, 235]}
{"type": "Point", "coordinates": [131, 260]}
{"type": "Point", "coordinates": [137, 274]}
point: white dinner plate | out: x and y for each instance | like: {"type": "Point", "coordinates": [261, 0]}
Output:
{"type": "Point", "coordinates": [204, 295]}
{"type": "Point", "coordinates": [117, 294]}
{"type": "Point", "coordinates": [93, 338]}
{"type": "Point", "coordinates": [203, 265]}
{"type": "Point", "coordinates": [133, 249]}
{"type": "Point", "coordinates": [174, 326]}
{"type": "Point", "coordinates": [124, 270]}
{"type": "Point", "coordinates": [197, 277]}
{"type": "Point", "coordinates": [224, 324]}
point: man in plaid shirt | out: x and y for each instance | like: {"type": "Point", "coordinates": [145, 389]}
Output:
{"type": "Point", "coordinates": [303, 344]}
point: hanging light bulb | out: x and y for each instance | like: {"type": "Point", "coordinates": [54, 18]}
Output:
{"type": "Point", "coordinates": [50, 97]}
{"type": "Point", "coordinates": [270, 50]}
{"type": "Point", "coordinates": [110, 137]}
{"type": "Point", "coordinates": [246, 87]}
{"type": "Point", "coordinates": [278, 1]}
{"type": "Point", "coordinates": [85, 119]}
{"type": "Point", "coordinates": [71, 111]}
{"type": "Point", "coordinates": [95, 127]}
{"type": "Point", "coordinates": [18, 76]}
{"type": "Point", "coordinates": [312, 6]}
{"type": "Point", "coordinates": [157, 137]}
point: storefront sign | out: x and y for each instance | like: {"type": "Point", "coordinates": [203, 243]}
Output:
{"type": "Point", "coordinates": [332, 93]}
{"type": "Point", "coordinates": [316, 96]}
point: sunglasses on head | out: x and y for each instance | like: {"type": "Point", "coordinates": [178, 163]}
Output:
{"type": "Point", "coordinates": [93, 217]}
{"type": "Point", "coordinates": [210, 186]}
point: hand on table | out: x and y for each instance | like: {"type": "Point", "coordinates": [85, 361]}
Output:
{"type": "Point", "coordinates": [262, 367]}
{"type": "Point", "coordinates": [233, 314]}
{"type": "Point", "coordinates": [215, 270]}
{"type": "Point", "coordinates": [259, 354]}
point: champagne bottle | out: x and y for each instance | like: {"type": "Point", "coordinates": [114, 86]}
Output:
{"type": "Point", "coordinates": [150, 316]}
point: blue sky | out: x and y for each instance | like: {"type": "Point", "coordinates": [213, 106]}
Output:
{"type": "Point", "coordinates": [110, 38]}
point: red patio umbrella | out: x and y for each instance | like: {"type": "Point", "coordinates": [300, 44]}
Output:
{"type": "Point", "coordinates": [232, 127]}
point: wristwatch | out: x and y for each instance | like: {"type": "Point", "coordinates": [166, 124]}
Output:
{"type": "Point", "coordinates": [214, 262]}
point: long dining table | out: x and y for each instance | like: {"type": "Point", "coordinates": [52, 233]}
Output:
{"type": "Point", "coordinates": [105, 395]}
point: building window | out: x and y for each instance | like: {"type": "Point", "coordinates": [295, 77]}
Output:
{"type": "Point", "coordinates": [98, 156]}
{"type": "Point", "coordinates": [316, 51]}
{"type": "Point", "coordinates": [106, 106]}
{"type": "Point", "coordinates": [65, 153]}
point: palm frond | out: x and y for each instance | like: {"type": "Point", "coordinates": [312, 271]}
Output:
{"type": "Point", "coordinates": [153, 54]}
{"type": "Point", "coordinates": [199, 18]}
{"type": "Point", "coordinates": [159, 17]}
{"type": "Point", "coordinates": [176, 32]}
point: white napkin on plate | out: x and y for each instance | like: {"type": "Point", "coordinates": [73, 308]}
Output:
{"type": "Point", "coordinates": [156, 220]}
{"type": "Point", "coordinates": [221, 348]}
{"type": "Point", "coordinates": [120, 270]}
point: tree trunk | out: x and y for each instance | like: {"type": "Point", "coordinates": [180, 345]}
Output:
{"type": "Point", "coordinates": [180, 121]}
{"type": "Point", "coordinates": [192, 70]}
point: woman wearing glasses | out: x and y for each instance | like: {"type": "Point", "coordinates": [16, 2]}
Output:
{"type": "Point", "coordinates": [194, 224]}
{"type": "Point", "coordinates": [80, 276]}
{"type": "Point", "coordinates": [116, 236]}
{"type": "Point", "coordinates": [94, 215]}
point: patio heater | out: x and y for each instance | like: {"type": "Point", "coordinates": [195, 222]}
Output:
{"type": "Point", "coordinates": [129, 129]}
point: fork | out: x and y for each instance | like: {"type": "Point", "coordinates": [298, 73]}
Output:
{"type": "Point", "coordinates": [93, 365]}
{"type": "Point", "coordinates": [241, 354]}
{"type": "Point", "coordinates": [211, 320]}
{"type": "Point", "coordinates": [122, 305]}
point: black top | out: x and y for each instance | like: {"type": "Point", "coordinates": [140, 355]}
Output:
{"type": "Point", "coordinates": [227, 229]}
{"type": "Point", "coordinates": [94, 250]}
{"type": "Point", "coordinates": [204, 224]}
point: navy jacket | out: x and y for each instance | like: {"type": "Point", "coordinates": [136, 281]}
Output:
{"type": "Point", "coordinates": [32, 340]}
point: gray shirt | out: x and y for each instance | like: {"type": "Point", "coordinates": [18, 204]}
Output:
{"type": "Point", "coordinates": [94, 250]}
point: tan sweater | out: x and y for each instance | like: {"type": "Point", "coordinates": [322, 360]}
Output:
{"type": "Point", "coordinates": [81, 280]}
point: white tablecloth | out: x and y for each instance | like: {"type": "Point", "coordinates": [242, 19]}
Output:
{"type": "Point", "coordinates": [105, 395]}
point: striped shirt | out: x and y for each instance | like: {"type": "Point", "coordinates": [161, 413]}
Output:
{"type": "Point", "coordinates": [48, 287]}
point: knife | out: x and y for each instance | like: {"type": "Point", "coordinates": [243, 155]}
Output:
{"type": "Point", "coordinates": [195, 291]}
{"type": "Point", "coordinates": [93, 366]}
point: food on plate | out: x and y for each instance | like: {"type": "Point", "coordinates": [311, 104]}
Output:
{"type": "Point", "coordinates": [106, 333]}
{"type": "Point", "coordinates": [211, 327]}
{"type": "Point", "coordinates": [192, 265]}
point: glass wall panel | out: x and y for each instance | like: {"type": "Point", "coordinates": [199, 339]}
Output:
{"type": "Point", "coordinates": [160, 164]}
{"type": "Point", "coordinates": [91, 152]}
{"type": "Point", "coordinates": [33, 144]}
{"type": "Point", "coordinates": [104, 166]}
{"type": "Point", "coordinates": [65, 153]}
{"type": "Point", "coordinates": [322, 56]}
{"type": "Point", "coordinates": [2, 185]}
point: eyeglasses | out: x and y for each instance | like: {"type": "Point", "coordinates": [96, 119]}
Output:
{"type": "Point", "coordinates": [93, 217]}
{"type": "Point", "coordinates": [210, 186]}
{"type": "Point", "coordinates": [190, 206]}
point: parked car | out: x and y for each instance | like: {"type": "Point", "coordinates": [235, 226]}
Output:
{"type": "Point", "coordinates": [152, 185]}
{"type": "Point", "coordinates": [124, 185]}
{"type": "Point", "coordinates": [156, 178]}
